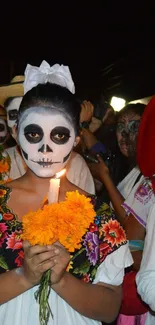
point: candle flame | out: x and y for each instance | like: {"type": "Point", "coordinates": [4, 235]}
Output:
{"type": "Point", "coordinates": [61, 173]}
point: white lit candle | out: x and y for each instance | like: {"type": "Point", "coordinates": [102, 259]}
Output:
{"type": "Point", "coordinates": [53, 194]}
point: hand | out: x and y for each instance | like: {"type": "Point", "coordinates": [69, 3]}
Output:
{"type": "Point", "coordinates": [87, 110]}
{"type": "Point", "coordinates": [37, 260]}
{"type": "Point", "coordinates": [60, 262]}
{"type": "Point", "coordinates": [95, 124]}
{"type": "Point", "coordinates": [99, 170]}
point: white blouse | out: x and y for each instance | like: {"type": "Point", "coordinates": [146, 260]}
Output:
{"type": "Point", "coordinates": [23, 310]}
{"type": "Point", "coordinates": [146, 276]}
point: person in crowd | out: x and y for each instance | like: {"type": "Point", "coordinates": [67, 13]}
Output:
{"type": "Point", "coordinates": [11, 96]}
{"type": "Point", "coordinates": [140, 205]}
{"type": "Point", "coordinates": [90, 292]}
{"type": "Point", "coordinates": [128, 121]}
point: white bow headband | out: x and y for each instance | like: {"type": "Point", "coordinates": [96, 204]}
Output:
{"type": "Point", "coordinates": [58, 74]}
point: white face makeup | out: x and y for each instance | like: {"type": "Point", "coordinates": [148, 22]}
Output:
{"type": "Point", "coordinates": [12, 114]}
{"type": "Point", "coordinates": [46, 140]}
{"type": "Point", "coordinates": [3, 131]}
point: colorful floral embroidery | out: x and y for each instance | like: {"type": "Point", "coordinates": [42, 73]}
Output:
{"type": "Point", "coordinates": [91, 243]}
{"type": "Point", "coordinates": [3, 234]}
{"type": "Point", "coordinates": [11, 252]}
{"type": "Point", "coordinates": [105, 249]}
{"type": "Point", "coordinates": [19, 259]}
{"type": "Point", "coordinates": [5, 165]}
{"type": "Point", "coordinates": [13, 241]}
{"type": "Point", "coordinates": [2, 193]}
{"type": "Point", "coordinates": [144, 191]}
{"type": "Point", "coordinates": [8, 216]}
{"type": "Point", "coordinates": [104, 236]}
{"type": "Point", "coordinates": [114, 233]}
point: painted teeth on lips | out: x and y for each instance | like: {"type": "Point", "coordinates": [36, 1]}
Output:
{"type": "Point", "coordinates": [46, 163]}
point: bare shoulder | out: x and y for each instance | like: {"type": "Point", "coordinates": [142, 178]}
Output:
{"type": "Point", "coordinates": [16, 184]}
{"type": "Point", "coordinates": [22, 198]}
{"type": "Point", "coordinates": [19, 189]}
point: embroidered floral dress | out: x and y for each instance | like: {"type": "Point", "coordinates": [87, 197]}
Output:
{"type": "Point", "coordinates": [102, 258]}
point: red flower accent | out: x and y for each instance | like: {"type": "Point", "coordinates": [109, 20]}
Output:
{"type": "Point", "coordinates": [114, 233]}
{"type": "Point", "coordinates": [93, 227]}
{"type": "Point", "coordinates": [104, 250]}
{"type": "Point", "coordinates": [19, 259]}
{"type": "Point", "coordinates": [86, 278]}
{"type": "Point", "coordinates": [14, 241]}
{"type": "Point", "coordinates": [8, 216]}
{"type": "Point", "coordinates": [3, 233]}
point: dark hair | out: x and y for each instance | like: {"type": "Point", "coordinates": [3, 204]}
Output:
{"type": "Point", "coordinates": [134, 108]}
{"type": "Point", "coordinates": [53, 96]}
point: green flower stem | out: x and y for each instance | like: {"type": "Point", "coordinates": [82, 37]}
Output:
{"type": "Point", "coordinates": [42, 295]}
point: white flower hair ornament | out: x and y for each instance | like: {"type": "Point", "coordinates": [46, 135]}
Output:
{"type": "Point", "coordinates": [58, 74]}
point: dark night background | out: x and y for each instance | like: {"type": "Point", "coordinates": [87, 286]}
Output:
{"type": "Point", "coordinates": [109, 47]}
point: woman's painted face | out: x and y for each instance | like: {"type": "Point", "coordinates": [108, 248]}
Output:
{"type": "Point", "coordinates": [3, 131]}
{"type": "Point", "coordinates": [46, 140]}
{"type": "Point", "coordinates": [12, 115]}
{"type": "Point", "coordinates": [127, 131]}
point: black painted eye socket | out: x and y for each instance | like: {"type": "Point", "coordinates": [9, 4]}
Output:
{"type": "Point", "coordinates": [2, 127]}
{"type": "Point", "coordinates": [13, 114]}
{"type": "Point", "coordinates": [120, 127]}
{"type": "Point", "coordinates": [60, 135]}
{"type": "Point", "coordinates": [33, 133]}
{"type": "Point", "coordinates": [134, 126]}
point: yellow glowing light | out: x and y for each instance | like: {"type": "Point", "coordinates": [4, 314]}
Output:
{"type": "Point", "coordinates": [61, 173]}
{"type": "Point", "coordinates": [117, 103]}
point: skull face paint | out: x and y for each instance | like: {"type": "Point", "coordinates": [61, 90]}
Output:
{"type": "Point", "coordinates": [12, 114]}
{"type": "Point", "coordinates": [127, 131]}
{"type": "Point", "coordinates": [3, 131]}
{"type": "Point", "coordinates": [46, 139]}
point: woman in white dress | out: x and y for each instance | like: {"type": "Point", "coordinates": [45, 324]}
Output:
{"type": "Point", "coordinates": [91, 291]}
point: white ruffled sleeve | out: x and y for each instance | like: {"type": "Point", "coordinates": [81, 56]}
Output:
{"type": "Point", "coordinates": [140, 201]}
{"type": "Point", "coordinates": [111, 271]}
{"type": "Point", "coordinates": [79, 174]}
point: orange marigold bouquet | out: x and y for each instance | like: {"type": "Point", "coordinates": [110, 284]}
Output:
{"type": "Point", "coordinates": [66, 222]}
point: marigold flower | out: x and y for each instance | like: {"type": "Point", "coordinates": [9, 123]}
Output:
{"type": "Point", "coordinates": [66, 222]}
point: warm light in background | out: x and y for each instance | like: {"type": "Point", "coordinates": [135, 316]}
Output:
{"type": "Point", "coordinates": [117, 103]}
{"type": "Point", "coordinates": [144, 101]}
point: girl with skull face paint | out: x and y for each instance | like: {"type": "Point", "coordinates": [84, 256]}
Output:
{"type": "Point", "coordinates": [47, 135]}
{"type": "Point", "coordinates": [11, 97]}
{"type": "Point", "coordinates": [128, 121]}
{"type": "Point", "coordinates": [48, 127]}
